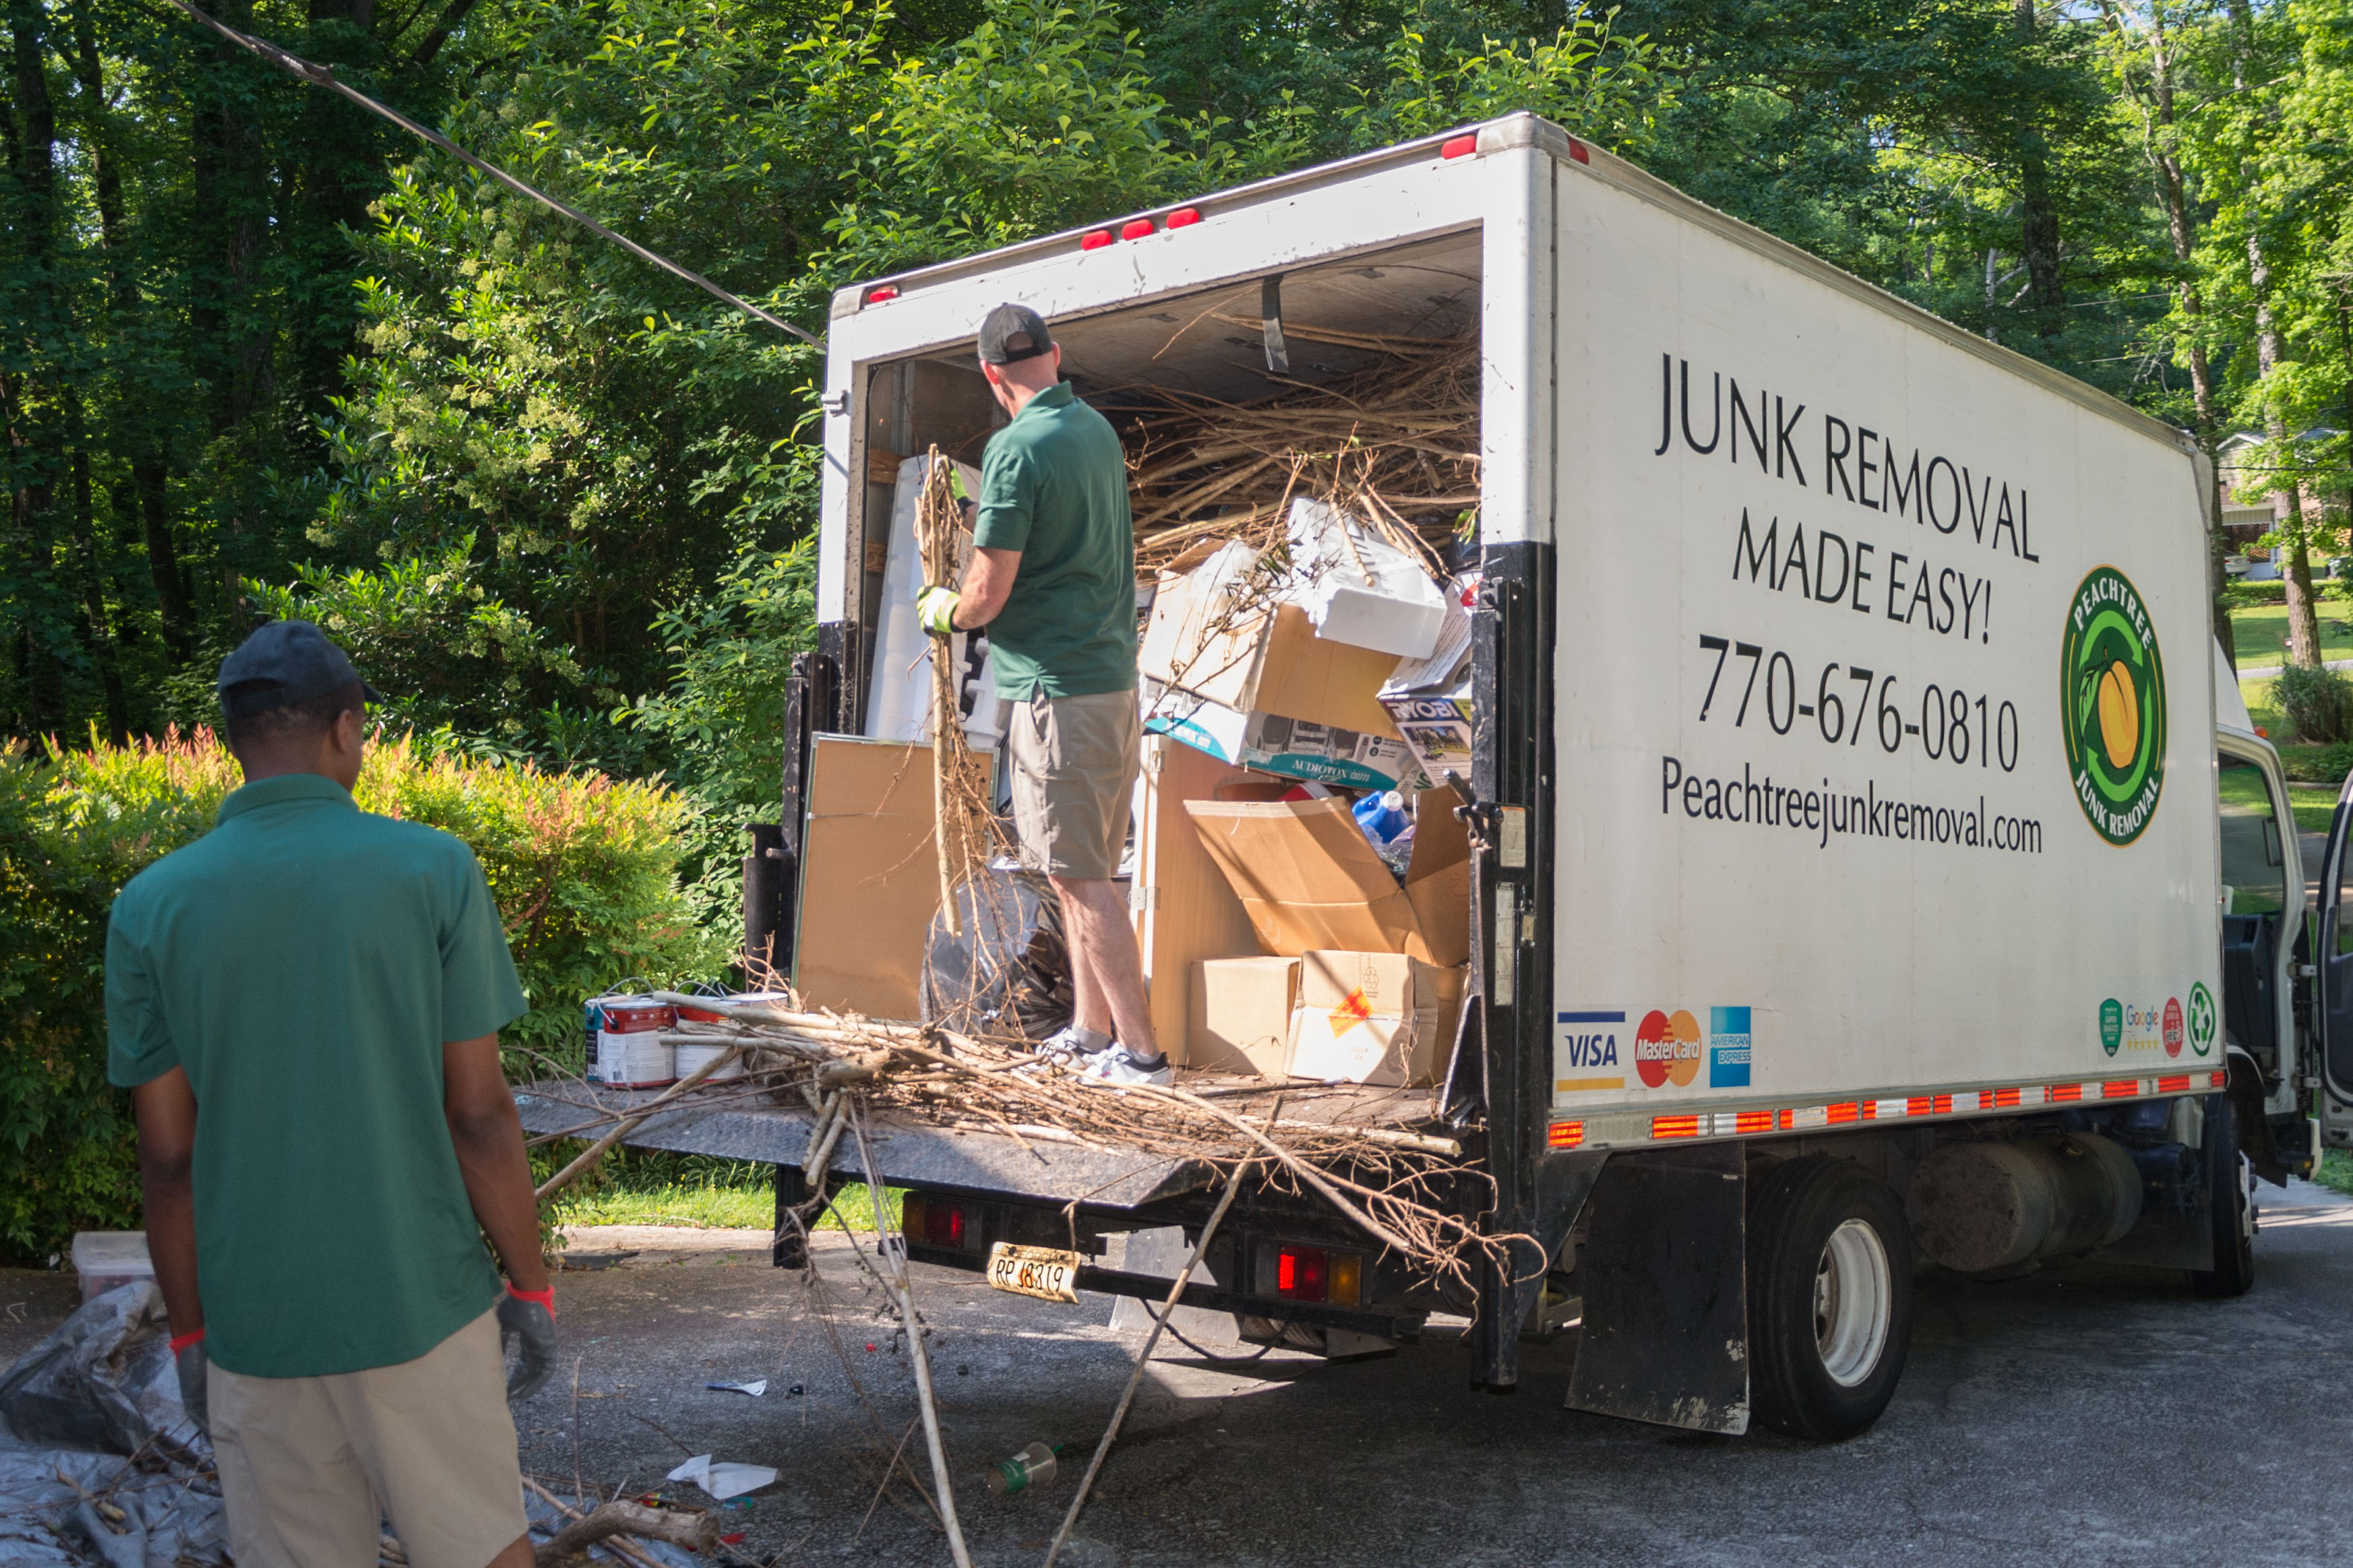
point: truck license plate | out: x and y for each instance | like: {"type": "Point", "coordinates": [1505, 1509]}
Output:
{"type": "Point", "coordinates": [1045, 1272]}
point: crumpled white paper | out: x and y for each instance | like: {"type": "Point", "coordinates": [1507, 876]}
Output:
{"type": "Point", "coordinates": [723, 1480]}
{"type": "Point", "coordinates": [756, 1388]}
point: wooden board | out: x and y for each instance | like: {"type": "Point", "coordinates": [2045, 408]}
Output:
{"type": "Point", "coordinates": [870, 876]}
{"type": "Point", "coordinates": [1184, 909]}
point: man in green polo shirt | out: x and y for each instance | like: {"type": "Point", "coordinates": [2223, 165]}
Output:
{"type": "Point", "coordinates": [305, 1004]}
{"type": "Point", "coordinates": [1053, 579]}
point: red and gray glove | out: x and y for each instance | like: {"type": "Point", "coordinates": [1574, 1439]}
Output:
{"type": "Point", "coordinates": [529, 1318]}
{"type": "Point", "coordinates": [188, 1359]}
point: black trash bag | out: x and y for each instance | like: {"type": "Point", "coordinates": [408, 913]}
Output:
{"type": "Point", "coordinates": [1009, 975]}
{"type": "Point", "coordinates": [104, 1381]}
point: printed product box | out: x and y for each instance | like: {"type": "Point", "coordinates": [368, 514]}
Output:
{"type": "Point", "coordinates": [1437, 729]}
{"type": "Point", "coordinates": [1272, 743]}
{"type": "Point", "coordinates": [1372, 1017]}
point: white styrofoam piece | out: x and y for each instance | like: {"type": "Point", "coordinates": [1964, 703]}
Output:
{"type": "Point", "coordinates": [723, 1479]}
{"type": "Point", "coordinates": [1359, 588]}
{"type": "Point", "coordinates": [899, 698]}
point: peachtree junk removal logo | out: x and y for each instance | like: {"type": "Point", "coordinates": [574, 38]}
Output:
{"type": "Point", "coordinates": [2112, 694]}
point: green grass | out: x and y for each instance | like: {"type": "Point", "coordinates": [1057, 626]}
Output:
{"type": "Point", "coordinates": [2336, 1170]}
{"type": "Point", "coordinates": [2261, 633]}
{"type": "Point", "coordinates": [641, 1187]}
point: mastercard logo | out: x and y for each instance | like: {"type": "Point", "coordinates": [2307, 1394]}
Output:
{"type": "Point", "coordinates": [1667, 1048]}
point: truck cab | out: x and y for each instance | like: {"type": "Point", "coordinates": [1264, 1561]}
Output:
{"type": "Point", "coordinates": [2273, 912]}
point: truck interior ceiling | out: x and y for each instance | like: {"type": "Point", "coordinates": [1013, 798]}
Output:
{"type": "Point", "coordinates": [1366, 315]}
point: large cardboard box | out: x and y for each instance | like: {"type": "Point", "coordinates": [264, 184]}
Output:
{"type": "Point", "coordinates": [1308, 881]}
{"type": "Point", "coordinates": [1372, 1017]}
{"type": "Point", "coordinates": [1270, 661]}
{"type": "Point", "coordinates": [1242, 1014]}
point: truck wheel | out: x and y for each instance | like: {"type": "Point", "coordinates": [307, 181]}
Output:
{"type": "Point", "coordinates": [2229, 1206]}
{"type": "Point", "coordinates": [1830, 1299]}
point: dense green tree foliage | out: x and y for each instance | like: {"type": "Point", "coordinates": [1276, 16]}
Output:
{"type": "Point", "coordinates": [260, 353]}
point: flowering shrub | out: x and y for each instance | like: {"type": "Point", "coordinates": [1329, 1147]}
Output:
{"type": "Point", "coordinates": [583, 868]}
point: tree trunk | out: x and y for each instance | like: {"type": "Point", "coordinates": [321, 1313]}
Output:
{"type": "Point", "coordinates": [31, 428]}
{"type": "Point", "coordinates": [99, 636]}
{"type": "Point", "coordinates": [2172, 195]}
{"type": "Point", "coordinates": [2287, 502]}
{"type": "Point", "coordinates": [2038, 212]}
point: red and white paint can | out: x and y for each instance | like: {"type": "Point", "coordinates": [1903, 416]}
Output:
{"type": "Point", "coordinates": [632, 1051]}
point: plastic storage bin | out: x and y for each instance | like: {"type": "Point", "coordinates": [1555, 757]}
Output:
{"type": "Point", "coordinates": [105, 1259]}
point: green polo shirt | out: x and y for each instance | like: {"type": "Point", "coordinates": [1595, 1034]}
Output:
{"type": "Point", "coordinates": [1054, 487]}
{"type": "Point", "coordinates": [305, 962]}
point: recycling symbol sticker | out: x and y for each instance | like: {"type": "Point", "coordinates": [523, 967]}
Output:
{"type": "Point", "coordinates": [2201, 1019]}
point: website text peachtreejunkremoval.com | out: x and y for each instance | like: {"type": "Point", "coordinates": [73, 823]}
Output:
{"type": "Point", "coordinates": [1823, 811]}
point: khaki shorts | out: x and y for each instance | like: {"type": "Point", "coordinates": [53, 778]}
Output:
{"type": "Point", "coordinates": [309, 1465]}
{"type": "Point", "coordinates": [1074, 761]}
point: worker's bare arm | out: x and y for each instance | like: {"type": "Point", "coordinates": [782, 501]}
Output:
{"type": "Point", "coordinates": [488, 1136]}
{"type": "Point", "coordinates": [987, 583]}
{"type": "Point", "coordinates": [166, 1109]}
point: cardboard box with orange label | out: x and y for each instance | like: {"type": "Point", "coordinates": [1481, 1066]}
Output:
{"type": "Point", "coordinates": [1372, 1017]}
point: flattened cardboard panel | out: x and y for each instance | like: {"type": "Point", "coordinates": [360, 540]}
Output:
{"type": "Point", "coordinates": [870, 876]}
{"type": "Point", "coordinates": [1306, 876]}
{"type": "Point", "coordinates": [1186, 910]}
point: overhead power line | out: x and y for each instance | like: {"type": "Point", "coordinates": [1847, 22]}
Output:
{"type": "Point", "coordinates": [323, 76]}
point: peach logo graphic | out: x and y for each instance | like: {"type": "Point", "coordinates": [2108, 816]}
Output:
{"type": "Point", "coordinates": [1667, 1048]}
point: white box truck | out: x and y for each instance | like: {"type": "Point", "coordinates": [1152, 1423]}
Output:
{"type": "Point", "coordinates": [1861, 875]}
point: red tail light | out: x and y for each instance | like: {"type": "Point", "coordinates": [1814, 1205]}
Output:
{"type": "Point", "coordinates": [1135, 228]}
{"type": "Point", "coordinates": [883, 295]}
{"type": "Point", "coordinates": [1184, 217]}
{"type": "Point", "coordinates": [1458, 147]}
{"type": "Point", "coordinates": [1096, 240]}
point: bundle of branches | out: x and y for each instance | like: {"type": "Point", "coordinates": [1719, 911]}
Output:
{"type": "Point", "coordinates": [967, 826]}
{"type": "Point", "coordinates": [1405, 1190]}
{"type": "Point", "coordinates": [1395, 445]}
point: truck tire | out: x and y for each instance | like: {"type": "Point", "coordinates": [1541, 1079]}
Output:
{"type": "Point", "coordinates": [1830, 1299]}
{"type": "Point", "coordinates": [2229, 1206]}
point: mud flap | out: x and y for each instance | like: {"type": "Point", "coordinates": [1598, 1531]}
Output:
{"type": "Point", "coordinates": [1664, 1276]}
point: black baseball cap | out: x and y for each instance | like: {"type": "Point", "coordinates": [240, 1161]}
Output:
{"type": "Point", "coordinates": [1012, 332]}
{"type": "Point", "coordinates": [285, 662]}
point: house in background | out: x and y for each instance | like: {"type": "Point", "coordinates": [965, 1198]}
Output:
{"type": "Point", "coordinates": [2249, 511]}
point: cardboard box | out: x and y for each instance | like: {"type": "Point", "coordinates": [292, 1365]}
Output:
{"type": "Point", "coordinates": [1242, 1014]}
{"type": "Point", "coordinates": [1268, 662]}
{"type": "Point", "coordinates": [1272, 743]}
{"type": "Point", "coordinates": [1308, 881]}
{"type": "Point", "coordinates": [1372, 1017]}
{"type": "Point", "coordinates": [1437, 729]}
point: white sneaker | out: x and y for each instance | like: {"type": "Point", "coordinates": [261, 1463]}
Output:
{"type": "Point", "coordinates": [1117, 1063]}
{"type": "Point", "coordinates": [1067, 1049]}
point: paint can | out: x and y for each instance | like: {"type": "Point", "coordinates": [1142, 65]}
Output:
{"type": "Point", "coordinates": [689, 1052]}
{"type": "Point", "coordinates": [632, 1048]}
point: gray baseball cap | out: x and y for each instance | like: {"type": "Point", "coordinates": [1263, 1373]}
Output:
{"type": "Point", "coordinates": [296, 660]}
{"type": "Point", "coordinates": [1011, 333]}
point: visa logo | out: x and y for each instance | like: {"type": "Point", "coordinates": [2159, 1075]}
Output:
{"type": "Point", "coordinates": [1592, 1050]}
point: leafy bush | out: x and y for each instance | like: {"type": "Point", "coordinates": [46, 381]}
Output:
{"type": "Point", "coordinates": [583, 868]}
{"type": "Point", "coordinates": [2316, 703]}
